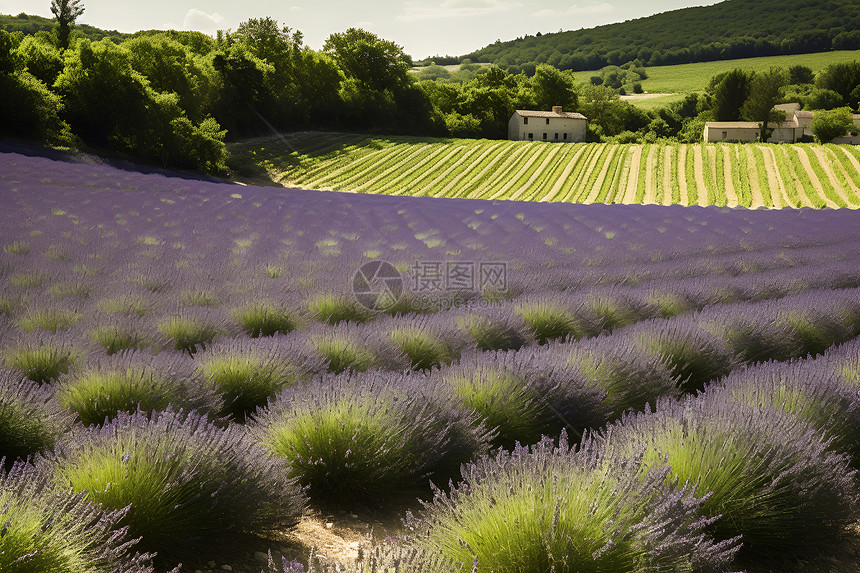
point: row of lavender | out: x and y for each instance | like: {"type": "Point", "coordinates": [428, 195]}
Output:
{"type": "Point", "coordinates": [124, 292]}
{"type": "Point", "coordinates": [758, 471]}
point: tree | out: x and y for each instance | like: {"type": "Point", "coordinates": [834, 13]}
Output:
{"type": "Point", "coordinates": [65, 12]}
{"type": "Point", "coordinates": [800, 75]}
{"type": "Point", "coordinates": [765, 91]}
{"type": "Point", "coordinates": [842, 78]}
{"type": "Point", "coordinates": [729, 95]}
{"type": "Point", "coordinates": [828, 125]}
{"type": "Point", "coordinates": [375, 63]}
{"type": "Point", "coordinates": [551, 87]}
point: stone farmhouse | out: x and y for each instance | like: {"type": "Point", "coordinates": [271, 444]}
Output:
{"type": "Point", "coordinates": [556, 125]}
{"type": "Point", "coordinates": [790, 131]}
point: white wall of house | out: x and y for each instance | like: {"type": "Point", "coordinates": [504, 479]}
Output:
{"type": "Point", "coordinates": [736, 131]}
{"type": "Point", "coordinates": [552, 129]}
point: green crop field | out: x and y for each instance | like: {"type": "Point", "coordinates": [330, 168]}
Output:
{"type": "Point", "coordinates": [748, 175]}
{"type": "Point", "coordinates": [687, 78]}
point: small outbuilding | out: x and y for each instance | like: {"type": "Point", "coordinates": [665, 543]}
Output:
{"type": "Point", "coordinates": [556, 126]}
{"type": "Point", "coordinates": [790, 131]}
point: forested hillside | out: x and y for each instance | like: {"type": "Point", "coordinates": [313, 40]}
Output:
{"type": "Point", "coordinates": [30, 24]}
{"type": "Point", "coordinates": [731, 29]}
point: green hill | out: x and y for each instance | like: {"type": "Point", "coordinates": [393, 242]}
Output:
{"type": "Point", "coordinates": [29, 24]}
{"type": "Point", "coordinates": [728, 30]}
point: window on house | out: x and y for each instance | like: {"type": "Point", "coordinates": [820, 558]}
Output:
{"type": "Point", "coordinates": [547, 121]}
{"type": "Point", "coordinates": [725, 134]}
{"type": "Point", "coordinates": [565, 136]}
{"type": "Point", "coordinates": [525, 121]}
{"type": "Point", "coordinates": [544, 136]}
{"type": "Point", "coordinates": [531, 136]}
{"type": "Point", "coordinates": [556, 137]}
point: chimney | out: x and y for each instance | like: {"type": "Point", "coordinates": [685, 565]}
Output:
{"type": "Point", "coordinates": [556, 109]}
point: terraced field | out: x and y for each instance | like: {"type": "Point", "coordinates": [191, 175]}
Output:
{"type": "Point", "coordinates": [731, 175]}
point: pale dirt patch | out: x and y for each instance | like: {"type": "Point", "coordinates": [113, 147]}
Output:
{"type": "Point", "coordinates": [667, 176]}
{"type": "Point", "coordinates": [731, 193]}
{"type": "Point", "coordinates": [682, 174]}
{"type": "Point", "coordinates": [563, 177]}
{"type": "Point", "coordinates": [601, 177]}
{"type": "Point", "coordinates": [537, 173]}
{"type": "Point", "coordinates": [699, 173]}
{"type": "Point", "coordinates": [444, 191]}
{"type": "Point", "coordinates": [755, 190]}
{"type": "Point", "coordinates": [650, 166]}
{"type": "Point", "coordinates": [774, 181]}
{"type": "Point", "coordinates": [633, 97]}
{"type": "Point", "coordinates": [813, 177]}
{"type": "Point", "coordinates": [633, 178]}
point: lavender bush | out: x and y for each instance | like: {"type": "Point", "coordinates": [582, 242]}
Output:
{"type": "Point", "coordinates": [568, 509]}
{"type": "Point", "coordinates": [367, 439]}
{"type": "Point", "coordinates": [46, 529]}
{"type": "Point", "coordinates": [31, 420]}
{"type": "Point", "coordinates": [134, 381]}
{"type": "Point", "coordinates": [190, 484]}
{"type": "Point", "coordinates": [772, 477]}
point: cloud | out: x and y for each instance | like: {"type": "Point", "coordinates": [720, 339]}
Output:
{"type": "Point", "coordinates": [449, 9]}
{"type": "Point", "coordinates": [201, 21]}
{"type": "Point", "coordinates": [576, 10]}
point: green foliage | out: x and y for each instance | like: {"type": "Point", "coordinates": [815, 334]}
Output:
{"type": "Point", "coordinates": [191, 486]}
{"type": "Point", "coordinates": [549, 321]}
{"type": "Point", "coordinates": [766, 90]}
{"type": "Point", "coordinates": [188, 334]}
{"type": "Point", "coordinates": [729, 94]}
{"type": "Point", "coordinates": [800, 74]}
{"type": "Point", "coordinates": [41, 361]}
{"type": "Point", "coordinates": [50, 529]}
{"type": "Point", "coordinates": [49, 320]}
{"type": "Point", "coordinates": [66, 12]}
{"type": "Point", "coordinates": [343, 353]}
{"type": "Point", "coordinates": [31, 420]}
{"type": "Point", "coordinates": [332, 308]}
{"type": "Point", "coordinates": [727, 30]}
{"type": "Point", "coordinates": [265, 319]}
{"type": "Point", "coordinates": [490, 334]}
{"type": "Point", "coordinates": [425, 349]}
{"type": "Point", "coordinates": [551, 87]}
{"type": "Point", "coordinates": [40, 58]}
{"type": "Point", "coordinates": [844, 79]}
{"type": "Point", "coordinates": [375, 63]}
{"type": "Point", "coordinates": [828, 125]}
{"type": "Point", "coordinates": [368, 440]}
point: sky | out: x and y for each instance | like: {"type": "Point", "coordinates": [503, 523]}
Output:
{"type": "Point", "coordinates": [423, 28]}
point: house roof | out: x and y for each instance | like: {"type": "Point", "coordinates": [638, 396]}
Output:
{"type": "Point", "coordinates": [549, 114]}
{"type": "Point", "coordinates": [803, 114]}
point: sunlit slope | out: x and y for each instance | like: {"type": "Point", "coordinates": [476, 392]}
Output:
{"type": "Point", "coordinates": [748, 175]}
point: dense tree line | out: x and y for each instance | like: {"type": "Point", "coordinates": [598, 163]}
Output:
{"type": "Point", "coordinates": [175, 97]}
{"type": "Point", "coordinates": [727, 30]}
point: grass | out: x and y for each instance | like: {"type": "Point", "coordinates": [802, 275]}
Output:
{"type": "Point", "coordinates": [689, 78]}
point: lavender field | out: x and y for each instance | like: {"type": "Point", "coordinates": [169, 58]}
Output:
{"type": "Point", "coordinates": [187, 363]}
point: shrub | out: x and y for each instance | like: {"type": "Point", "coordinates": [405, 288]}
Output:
{"type": "Point", "coordinates": [524, 399]}
{"type": "Point", "coordinates": [615, 310]}
{"type": "Point", "coordinates": [547, 508]}
{"type": "Point", "coordinates": [494, 331]}
{"type": "Point", "coordinates": [424, 347]}
{"type": "Point", "coordinates": [50, 320]}
{"type": "Point", "coordinates": [46, 529]}
{"type": "Point", "coordinates": [127, 305]}
{"type": "Point", "coordinates": [816, 328]}
{"type": "Point", "coordinates": [265, 319]}
{"type": "Point", "coordinates": [771, 476]}
{"type": "Point", "coordinates": [549, 320]}
{"type": "Point", "coordinates": [131, 382]}
{"type": "Point", "coordinates": [756, 338]}
{"type": "Point", "coordinates": [190, 484]}
{"type": "Point", "coordinates": [630, 378]}
{"type": "Point", "coordinates": [247, 374]}
{"type": "Point", "coordinates": [333, 308]}
{"type": "Point", "coordinates": [694, 355]}
{"type": "Point", "coordinates": [189, 334]}
{"type": "Point", "coordinates": [118, 335]}
{"type": "Point", "coordinates": [368, 439]}
{"type": "Point", "coordinates": [41, 360]}
{"type": "Point", "coordinates": [31, 420]}
{"type": "Point", "coordinates": [806, 389]}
